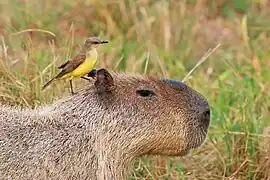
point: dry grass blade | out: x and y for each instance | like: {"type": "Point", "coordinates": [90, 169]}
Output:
{"type": "Point", "coordinates": [206, 55]}
{"type": "Point", "coordinates": [31, 30]}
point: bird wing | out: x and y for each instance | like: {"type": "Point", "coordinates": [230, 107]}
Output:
{"type": "Point", "coordinates": [72, 64]}
{"type": "Point", "coordinates": [63, 65]}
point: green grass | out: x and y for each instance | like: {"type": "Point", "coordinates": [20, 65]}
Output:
{"type": "Point", "coordinates": [165, 38]}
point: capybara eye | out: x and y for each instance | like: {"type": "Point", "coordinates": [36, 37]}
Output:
{"type": "Point", "coordinates": [145, 92]}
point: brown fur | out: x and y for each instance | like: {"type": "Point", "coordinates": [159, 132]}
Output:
{"type": "Point", "coordinates": [96, 133]}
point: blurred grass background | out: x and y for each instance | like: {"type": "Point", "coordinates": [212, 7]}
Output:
{"type": "Point", "coordinates": [165, 38]}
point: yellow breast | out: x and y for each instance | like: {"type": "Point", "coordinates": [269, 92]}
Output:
{"type": "Point", "coordinates": [89, 63]}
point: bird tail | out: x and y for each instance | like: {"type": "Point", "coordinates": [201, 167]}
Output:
{"type": "Point", "coordinates": [48, 83]}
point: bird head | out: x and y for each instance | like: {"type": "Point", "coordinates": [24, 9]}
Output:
{"type": "Point", "coordinates": [93, 42]}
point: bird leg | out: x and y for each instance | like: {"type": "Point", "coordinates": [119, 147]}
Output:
{"type": "Point", "coordinates": [71, 87]}
{"type": "Point", "coordinates": [91, 74]}
{"type": "Point", "coordinates": [85, 78]}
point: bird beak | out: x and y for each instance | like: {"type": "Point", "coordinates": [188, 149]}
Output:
{"type": "Point", "coordinates": [103, 42]}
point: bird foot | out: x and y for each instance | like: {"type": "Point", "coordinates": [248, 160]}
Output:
{"type": "Point", "coordinates": [74, 93]}
{"type": "Point", "coordinates": [92, 74]}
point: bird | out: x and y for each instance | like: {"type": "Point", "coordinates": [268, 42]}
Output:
{"type": "Point", "coordinates": [81, 64]}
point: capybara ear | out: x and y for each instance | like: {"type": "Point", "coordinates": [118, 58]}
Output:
{"type": "Point", "coordinates": [104, 81]}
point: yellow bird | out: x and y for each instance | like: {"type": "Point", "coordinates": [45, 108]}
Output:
{"type": "Point", "coordinates": [81, 64]}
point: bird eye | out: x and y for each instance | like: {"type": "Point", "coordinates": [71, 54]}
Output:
{"type": "Point", "coordinates": [145, 92]}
